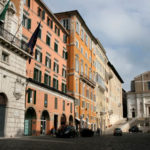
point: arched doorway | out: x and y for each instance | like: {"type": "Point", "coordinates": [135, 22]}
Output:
{"type": "Point", "coordinates": [133, 113]}
{"type": "Point", "coordinates": [44, 122]}
{"type": "Point", "coordinates": [3, 104]}
{"type": "Point", "coordinates": [30, 121]}
{"type": "Point", "coordinates": [71, 120]}
{"type": "Point", "coordinates": [63, 119]}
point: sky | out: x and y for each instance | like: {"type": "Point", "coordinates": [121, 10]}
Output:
{"type": "Point", "coordinates": [122, 26]}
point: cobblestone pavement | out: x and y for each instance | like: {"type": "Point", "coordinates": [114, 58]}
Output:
{"type": "Point", "coordinates": [126, 142]}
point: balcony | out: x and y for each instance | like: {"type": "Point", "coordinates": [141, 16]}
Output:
{"type": "Point", "coordinates": [87, 80]}
{"type": "Point", "coordinates": [10, 41]}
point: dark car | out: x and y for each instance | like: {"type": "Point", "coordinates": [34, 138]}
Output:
{"type": "Point", "coordinates": [85, 132]}
{"type": "Point", "coordinates": [117, 131]}
{"type": "Point", "coordinates": [66, 131]}
{"type": "Point", "coordinates": [134, 129]}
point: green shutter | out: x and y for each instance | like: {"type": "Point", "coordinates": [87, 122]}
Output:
{"type": "Point", "coordinates": [40, 76]}
{"type": "Point", "coordinates": [41, 57]}
{"type": "Point", "coordinates": [29, 24]}
{"type": "Point", "coordinates": [34, 77]}
{"type": "Point", "coordinates": [34, 97]}
{"type": "Point", "coordinates": [46, 61]}
{"type": "Point", "coordinates": [49, 63]}
{"type": "Point", "coordinates": [66, 55]}
{"type": "Point", "coordinates": [57, 84]}
{"type": "Point", "coordinates": [57, 68]}
{"type": "Point", "coordinates": [44, 78]}
{"type": "Point", "coordinates": [58, 32]}
{"type": "Point", "coordinates": [53, 83]}
{"type": "Point", "coordinates": [29, 3]}
{"type": "Point", "coordinates": [29, 94]}
{"type": "Point", "coordinates": [43, 15]}
{"type": "Point", "coordinates": [36, 54]}
{"type": "Point", "coordinates": [51, 24]}
{"type": "Point", "coordinates": [49, 80]}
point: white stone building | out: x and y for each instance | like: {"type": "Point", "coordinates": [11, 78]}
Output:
{"type": "Point", "coordinates": [12, 71]}
{"type": "Point", "coordinates": [138, 99]}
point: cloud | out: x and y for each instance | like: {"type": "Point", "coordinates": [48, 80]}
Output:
{"type": "Point", "coordinates": [122, 26]}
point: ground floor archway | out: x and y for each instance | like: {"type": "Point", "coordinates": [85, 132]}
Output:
{"type": "Point", "coordinates": [3, 104]}
{"type": "Point", "coordinates": [70, 120]}
{"type": "Point", "coordinates": [30, 121]}
{"type": "Point", "coordinates": [45, 118]}
{"type": "Point", "coordinates": [63, 119]}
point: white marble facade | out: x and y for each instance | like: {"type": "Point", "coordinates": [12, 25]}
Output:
{"type": "Point", "coordinates": [12, 78]}
{"type": "Point", "coordinates": [138, 105]}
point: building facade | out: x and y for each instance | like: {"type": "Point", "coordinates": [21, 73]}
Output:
{"type": "Point", "coordinates": [47, 104]}
{"type": "Point", "coordinates": [81, 68]}
{"type": "Point", "coordinates": [12, 71]}
{"type": "Point", "coordinates": [138, 99]}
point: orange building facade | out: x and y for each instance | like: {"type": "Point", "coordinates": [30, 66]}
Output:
{"type": "Point", "coordinates": [81, 68]}
{"type": "Point", "coordinates": [47, 103]}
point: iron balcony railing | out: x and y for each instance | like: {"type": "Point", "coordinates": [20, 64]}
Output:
{"type": "Point", "coordinates": [13, 40]}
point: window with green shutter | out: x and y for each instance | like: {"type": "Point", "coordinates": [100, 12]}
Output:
{"type": "Point", "coordinates": [28, 4]}
{"type": "Point", "coordinates": [58, 32]}
{"type": "Point", "coordinates": [29, 24]}
{"type": "Point", "coordinates": [56, 47]}
{"type": "Point", "coordinates": [43, 15]}
{"type": "Point", "coordinates": [34, 97]}
{"type": "Point", "coordinates": [51, 24]}
{"type": "Point", "coordinates": [49, 80]}
{"type": "Point", "coordinates": [29, 95]}
{"type": "Point", "coordinates": [41, 57]}
{"type": "Point", "coordinates": [40, 33]}
{"type": "Point", "coordinates": [48, 40]}
{"type": "Point", "coordinates": [55, 106]}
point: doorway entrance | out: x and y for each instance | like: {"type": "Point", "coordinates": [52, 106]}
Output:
{"type": "Point", "coordinates": [44, 122]}
{"type": "Point", "coordinates": [55, 122]}
{"type": "Point", "coordinates": [3, 104]}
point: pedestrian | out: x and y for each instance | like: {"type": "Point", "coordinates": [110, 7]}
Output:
{"type": "Point", "coordinates": [98, 131]}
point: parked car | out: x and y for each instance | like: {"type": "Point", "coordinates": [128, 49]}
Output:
{"type": "Point", "coordinates": [85, 132]}
{"type": "Point", "coordinates": [134, 129]}
{"type": "Point", "coordinates": [117, 132]}
{"type": "Point", "coordinates": [66, 131]}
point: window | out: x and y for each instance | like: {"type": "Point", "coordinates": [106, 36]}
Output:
{"type": "Point", "coordinates": [56, 101]}
{"type": "Point", "coordinates": [31, 95]}
{"type": "Point", "coordinates": [70, 107]}
{"type": "Point", "coordinates": [77, 86]}
{"type": "Point", "coordinates": [90, 44]}
{"type": "Point", "coordinates": [45, 100]}
{"type": "Point", "coordinates": [51, 24]}
{"type": "Point", "coordinates": [63, 105]}
{"type": "Point", "coordinates": [87, 93]}
{"type": "Point", "coordinates": [37, 75]}
{"type": "Point", "coordinates": [82, 50]}
{"type": "Point", "coordinates": [83, 104]}
{"type": "Point", "coordinates": [48, 62]}
{"type": "Point", "coordinates": [5, 57]}
{"type": "Point", "coordinates": [86, 55]}
{"type": "Point", "coordinates": [82, 67]}
{"type": "Point", "coordinates": [47, 79]}
{"type": "Point", "coordinates": [64, 54]}
{"type": "Point", "coordinates": [82, 34]}
{"type": "Point", "coordinates": [148, 85]}
{"type": "Point", "coordinates": [38, 55]}
{"type": "Point", "coordinates": [26, 22]}
{"type": "Point", "coordinates": [77, 27]}
{"type": "Point", "coordinates": [43, 15]}
{"type": "Point", "coordinates": [57, 31]}
{"type": "Point", "coordinates": [90, 60]}
{"type": "Point", "coordinates": [65, 38]}
{"type": "Point", "coordinates": [91, 96]}
{"type": "Point", "coordinates": [85, 69]}
{"type": "Point", "coordinates": [65, 23]}
{"type": "Point", "coordinates": [55, 83]}
{"type": "Point", "coordinates": [48, 21]}
{"type": "Point", "coordinates": [77, 64]}
{"type": "Point", "coordinates": [64, 88]}
{"type": "Point", "coordinates": [56, 47]}
{"type": "Point", "coordinates": [83, 89]}
{"type": "Point", "coordinates": [40, 34]}
{"type": "Point", "coordinates": [56, 67]}
{"type": "Point", "coordinates": [64, 73]}
{"type": "Point", "coordinates": [77, 44]}
{"type": "Point", "coordinates": [39, 12]}
{"type": "Point", "coordinates": [48, 40]}
{"type": "Point", "coordinates": [90, 74]}
{"type": "Point", "coordinates": [86, 39]}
